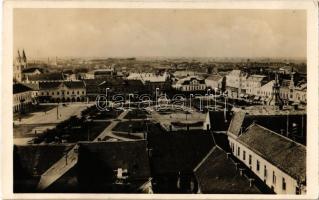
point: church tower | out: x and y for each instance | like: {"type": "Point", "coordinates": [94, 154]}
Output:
{"type": "Point", "coordinates": [275, 97]}
{"type": "Point", "coordinates": [19, 65]}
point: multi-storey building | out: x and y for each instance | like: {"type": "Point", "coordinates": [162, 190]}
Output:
{"type": "Point", "coordinates": [235, 83]}
{"type": "Point", "coordinates": [68, 91]}
{"type": "Point", "coordinates": [272, 155]}
{"type": "Point", "coordinates": [22, 98]}
{"type": "Point", "coordinates": [190, 83]}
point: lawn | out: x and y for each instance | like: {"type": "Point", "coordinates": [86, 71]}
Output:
{"type": "Point", "coordinates": [136, 114]}
{"type": "Point", "coordinates": [73, 130]}
{"type": "Point", "coordinates": [130, 126]}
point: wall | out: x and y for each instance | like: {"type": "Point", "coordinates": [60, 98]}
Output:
{"type": "Point", "coordinates": [291, 183]}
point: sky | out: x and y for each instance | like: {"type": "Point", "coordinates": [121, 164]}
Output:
{"type": "Point", "coordinates": [159, 32]}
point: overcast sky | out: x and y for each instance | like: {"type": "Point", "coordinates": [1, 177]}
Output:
{"type": "Point", "coordinates": [160, 32]}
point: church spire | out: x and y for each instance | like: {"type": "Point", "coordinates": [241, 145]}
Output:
{"type": "Point", "coordinates": [24, 56]}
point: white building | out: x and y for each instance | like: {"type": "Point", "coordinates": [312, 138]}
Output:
{"type": "Point", "coordinates": [22, 98]}
{"type": "Point", "coordinates": [68, 91]}
{"type": "Point", "coordinates": [214, 81]}
{"type": "Point", "coordinates": [190, 83]}
{"type": "Point", "coordinates": [254, 83]}
{"type": "Point", "coordinates": [236, 83]}
{"type": "Point", "coordinates": [274, 158]}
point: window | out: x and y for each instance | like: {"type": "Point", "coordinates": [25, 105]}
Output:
{"type": "Point", "coordinates": [257, 166]}
{"type": "Point", "coordinates": [48, 93]}
{"type": "Point", "coordinates": [72, 92]}
{"type": "Point", "coordinates": [52, 93]}
{"type": "Point", "coordinates": [250, 159]}
{"type": "Point", "coordinates": [78, 92]}
{"type": "Point", "coordinates": [265, 171]}
{"type": "Point", "coordinates": [244, 155]}
{"type": "Point", "coordinates": [67, 92]}
{"type": "Point", "coordinates": [82, 92]}
{"type": "Point", "coordinates": [273, 178]}
{"type": "Point", "coordinates": [238, 151]}
{"type": "Point", "coordinates": [283, 184]}
{"type": "Point", "coordinates": [57, 93]}
{"type": "Point", "coordinates": [42, 93]}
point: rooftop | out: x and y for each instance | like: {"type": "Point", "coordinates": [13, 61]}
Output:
{"type": "Point", "coordinates": [19, 88]}
{"type": "Point", "coordinates": [217, 174]}
{"type": "Point", "coordinates": [284, 153]}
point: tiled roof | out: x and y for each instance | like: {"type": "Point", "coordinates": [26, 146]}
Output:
{"type": "Point", "coordinates": [214, 77]}
{"type": "Point", "coordinates": [217, 120]}
{"type": "Point", "coordinates": [69, 84]}
{"type": "Point", "coordinates": [38, 158]}
{"type": "Point", "coordinates": [47, 76]}
{"type": "Point", "coordinates": [33, 86]}
{"type": "Point", "coordinates": [276, 123]}
{"type": "Point", "coordinates": [31, 70]}
{"type": "Point", "coordinates": [19, 88]}
{"type": "Point", "coordinates": [217, 174]}
{"type": "Point", "coordinates": [236, 123]}
{"type": "Point", "coordinates": [178, 150]}
{"type": "Point", "coordinates": [109, 156]}
{"type": "Point", "coordinates": [284, 153]}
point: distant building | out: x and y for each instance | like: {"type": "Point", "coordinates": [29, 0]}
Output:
{"type": "Point", "coordinates": [215, 81]}
{"type": "Point", "coordinates": [235, 83]}
{"type": "Point", "coordinates": [46, 77]}
{"type": "Point", "coordinates": [253, 84]}
{"type": "Point", "coordinates": [262, 142]}
{"type": "Point", "coordinates": [67, 91]}
{"type": "Point", "coordinates": [31, 72]}
{"type": "Point", "coordinates": [22, 98]}
{"type": "Point", "coordinates": [152, 80]}
{"type": "Point", "coordinates": [190, 83]}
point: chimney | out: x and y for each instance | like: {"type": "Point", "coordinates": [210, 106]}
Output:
{"type": "Point", "coordinates": [251, 182]}
{"type": "Point", "coordinates": [228, 155]}
{"type": "Point", "coordinates": [149, 151]}
{"type": "Point", "coordinates": [241, 171]}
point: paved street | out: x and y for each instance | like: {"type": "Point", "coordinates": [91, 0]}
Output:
{"type": "Point", "coordinates": [64, 112]}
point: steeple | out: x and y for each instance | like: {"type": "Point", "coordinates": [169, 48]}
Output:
{"type": "Point", "coordinates": [19, 57]}
{"type": "Point", "coordinates": [24, 56]}
{"type": "Point", "coordinates": [275, 97]}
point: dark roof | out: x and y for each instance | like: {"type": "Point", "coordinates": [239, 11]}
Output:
{"type": "Point", "coordinates": [33, 86]}
{"type": "Point", "coordinates": [74, 84]}
{"type": "Point", "coordinates": [236, 123]}
{"type": "Point", "coordinates": [38, 158]}
{"type": "Point", "coordinates": [276, 123]}
{"type": "Point", "coordinates": [217, 120]}
{"type": "Point", "coordinates": [217, 174]}
{"type": "Point", "coordinates": [109, 156]}
{"type": "Point", "coordinates": [31, 70]}
{"type": "Point", "coordinates": [19, 88]}
{"type": "Point", "coordinates": [69, 84]}
{"type": "Point", "coordinates": [178, 150]}
{"type": "Point", "coordinates": [47, 76]}
{"type": "Point", "coordinates": [282, 152]}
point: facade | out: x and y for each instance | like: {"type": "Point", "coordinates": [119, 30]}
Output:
{"type": "Point", "coordinates": [190, 83]}
{"type": "Point", "coordinates": [215, 81]}
{"type": "Point", "coordinates": [235, 83]}
{"type": "Point", "coordinates": [68, 91]}
{"type": "Point", "coordinates": [254, 83]}
{"type": "Point", "coordinates": [22, 98]}
{"type": "Point", "coordinates": [277, 160]}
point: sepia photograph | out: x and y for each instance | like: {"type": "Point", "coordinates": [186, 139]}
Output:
{"type": "Point", "coordinates": [161, 101]}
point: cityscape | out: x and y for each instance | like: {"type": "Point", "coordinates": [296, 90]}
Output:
{"type": "Point", "coordinates": [160, 124]}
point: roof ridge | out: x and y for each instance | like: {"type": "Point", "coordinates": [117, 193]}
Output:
{"type": "Point", "coordinates": [205, 158]}
{"type": "Point", "coordinates": [254, 123]}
